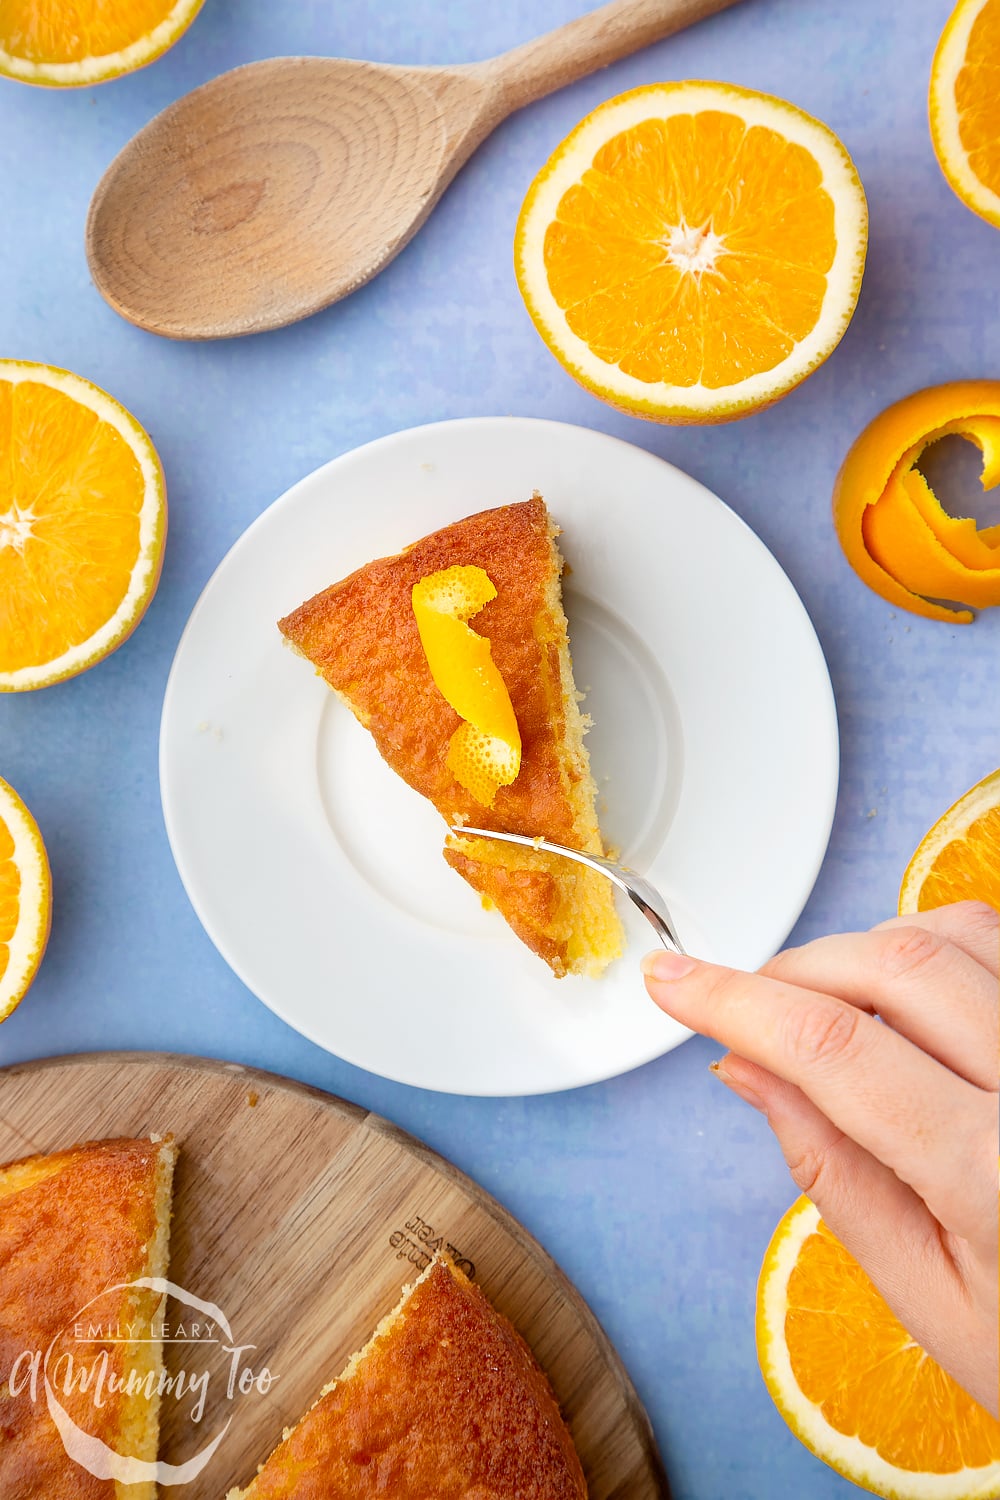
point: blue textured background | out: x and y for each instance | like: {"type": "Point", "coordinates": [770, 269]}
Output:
{"type": "Point", "coordinates": [656, 1192]}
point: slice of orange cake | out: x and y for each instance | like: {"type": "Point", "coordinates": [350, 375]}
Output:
{"type": "Point", "coordinates": [362, 636]}
{"type": "Point", "coordinates": [72, 1226]}
{"type": "Point", "coordinates": [445, 1400]}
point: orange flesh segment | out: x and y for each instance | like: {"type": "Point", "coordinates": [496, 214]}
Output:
{"type": "Point", "coordinates": [72, 488]}
{"type": "Point", "coordinates": [977, 97]}
{"type": "Point", "coordinates": [891, 525]}
{"type": "Point", "coordinates": [968, 868]}
{"type": "Point", "coordinates": [484, 753]}
{"type": "Point", "coordinates": [835, 1319]}
{"type": "Point", "coordinates": [746, 197]}
{"type": "Point", "coordinates": [10, 893]}
{"type": "Point", "coordinates": [60, 31]}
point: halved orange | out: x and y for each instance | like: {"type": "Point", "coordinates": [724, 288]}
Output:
{"type": "Point", "coordinates": [83, 519]}
{"type": "Point", "coordinates": [73, 42]}
{"type": "Point", "coordinates": [894, 531]}
{"type": "Point", "coordinates": [693, 250]}
{"type": "Point", "coordinates": [959, 859]}
{"type": "Point", "coordinates": [25, 899]}
{"type": "Point", "coordinates": [964, 105]}
{"type": "Point", "coordinates": [851, 1383]}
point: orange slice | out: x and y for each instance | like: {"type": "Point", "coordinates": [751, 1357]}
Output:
{"type": "Point", "coordinates": [82, 524]}
{"type": "Point", "coordinates": [693, 250]}
{"type": "Point", "coordinates": [965, 105]}
{"type": "Point", "coordinates": [851, 1383]}
{"type": "Point", "coordinates": [484, 752]}
{"type": "Point", "coordinates": [890, 523]}
{"type": "Point", "coordinates": [25, 899]}
{"type": "Point", "coordinates": [959, 859]}
{"type": "Point", "coordinates": [72, 42]}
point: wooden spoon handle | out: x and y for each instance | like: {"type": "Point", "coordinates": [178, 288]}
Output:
{"type": "Point", "coordinates": [570, 52]}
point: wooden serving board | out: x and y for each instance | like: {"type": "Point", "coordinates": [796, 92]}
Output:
{"type": "Point", "coordinates": [301, 1216]}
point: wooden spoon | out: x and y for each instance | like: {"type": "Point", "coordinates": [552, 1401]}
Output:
{"type": "Point", "coordinates": [281, 186]}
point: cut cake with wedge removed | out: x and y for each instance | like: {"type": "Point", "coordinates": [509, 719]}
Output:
{"type": "Point", "coordinates": [73, 1225]}
{"type": "Point", "coordinates": [361, 635]}
{"type": "Point", "coordinates": [445, 1400]}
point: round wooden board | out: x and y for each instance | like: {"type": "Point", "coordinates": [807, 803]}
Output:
{"type": "Point", "coordinates": [301, 1216]}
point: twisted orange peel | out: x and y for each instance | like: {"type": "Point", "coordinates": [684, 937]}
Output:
{"type": "Point", "coordinates": [484, 753]}
{"type": "Point", "coordinates": [890, 523]}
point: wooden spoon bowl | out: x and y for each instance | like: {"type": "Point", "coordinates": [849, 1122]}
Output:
{"type": "Point", "coordinates": [281, 186]}
{"type": "Point", "coordinates": [272, 191]}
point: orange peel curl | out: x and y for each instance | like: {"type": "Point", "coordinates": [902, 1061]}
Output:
{"type": "Point", "coordinates": [484, 753]}
{"type": "Point", "coordinates": [891, 525]}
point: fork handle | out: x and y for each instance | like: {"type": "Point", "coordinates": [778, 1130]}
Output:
{"type": "Point", "coordinates": [593, 41]}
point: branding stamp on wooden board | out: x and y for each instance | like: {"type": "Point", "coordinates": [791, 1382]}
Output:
{"type": "Point", "coordinates": [419, 1242]}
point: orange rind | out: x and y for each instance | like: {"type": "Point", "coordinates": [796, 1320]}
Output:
{"type": "Point", "coordinates": [891, 525]}
{"type": "Point", "coordinates": [852, 1384]}
{"type": "Point", "coordinates": [484, 752]}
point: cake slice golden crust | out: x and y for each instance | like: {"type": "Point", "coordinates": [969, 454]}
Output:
{"type": "Point", "coordinates": [362, 637]}
{"type": "Point", "coordinates": [72, 1225]}
{"type": "Point", "coordinates": [446, 1400]}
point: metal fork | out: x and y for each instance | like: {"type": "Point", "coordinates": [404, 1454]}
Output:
{"type": "Point", "coordinates": [639, 891]}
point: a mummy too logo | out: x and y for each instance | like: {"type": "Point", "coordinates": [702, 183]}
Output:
{"type": "Point", "coordinates": [101, 1381]}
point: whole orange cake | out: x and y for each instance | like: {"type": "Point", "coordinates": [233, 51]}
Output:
{"type": "Point", "coordinates": [72, 1225]}
{"type": "Point", "coordinates": [445, 1401]}
{"type": "Point", "coordinates": [362, 637]}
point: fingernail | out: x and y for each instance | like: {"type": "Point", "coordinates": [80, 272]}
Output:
{"type": "Point", "coordinates": [737, 1086]}
{"type": "Point", "coordinates": [663, 965]}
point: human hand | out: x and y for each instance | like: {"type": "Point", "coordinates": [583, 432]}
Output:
{"type": "Point", "coordinates": [891, 1129]}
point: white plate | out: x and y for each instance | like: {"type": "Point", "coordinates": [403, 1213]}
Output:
{"type": "Point", "coordinates": [318, 873]}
